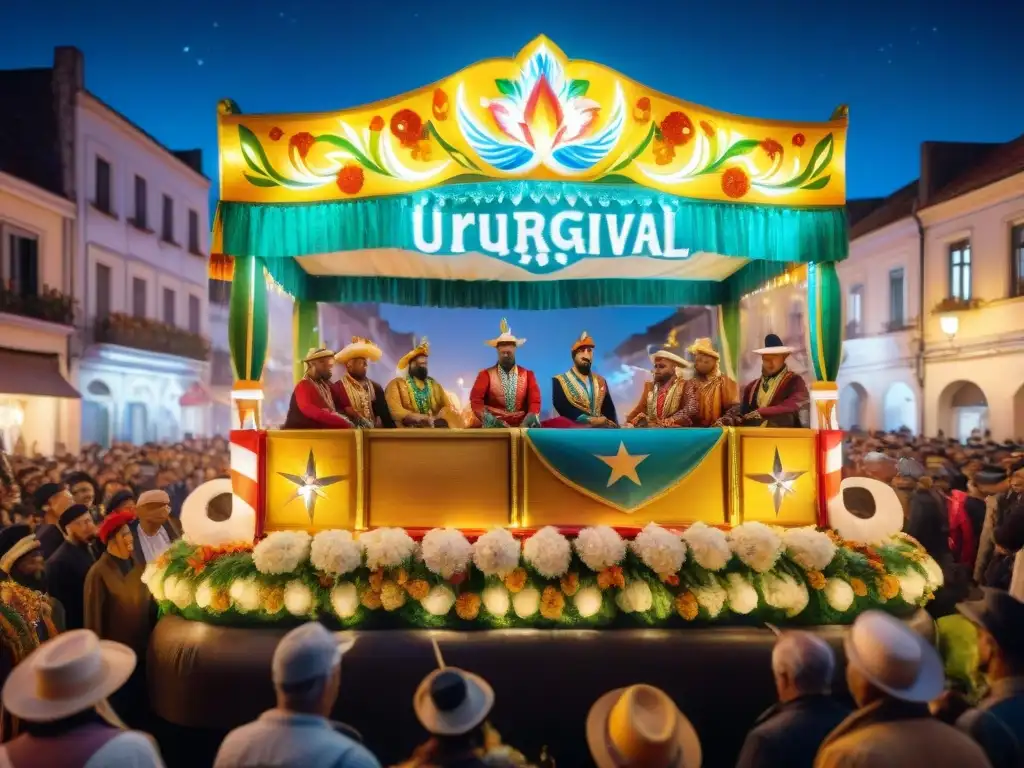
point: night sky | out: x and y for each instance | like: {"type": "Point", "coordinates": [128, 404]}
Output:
{"type": "Point", "coordinates": [910, 71]}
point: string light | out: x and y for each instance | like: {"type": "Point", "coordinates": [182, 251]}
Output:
{"type": "Point", "coordinates": [779, 281]}
{"type": "Point", "coordinates": [275, 286]}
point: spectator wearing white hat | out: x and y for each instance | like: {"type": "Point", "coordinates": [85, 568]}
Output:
{"type": "Point", "coordinates": [893, 673]}
{"type": "Point", "coordinates": [60, 694]}
{"type": "Point", "coordinates": [307, 677]}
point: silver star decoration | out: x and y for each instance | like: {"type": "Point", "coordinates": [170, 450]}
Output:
{"type": "Point", "coordinates": [309, 487]}
{"type": "Point", "coordinates": [779, 482]}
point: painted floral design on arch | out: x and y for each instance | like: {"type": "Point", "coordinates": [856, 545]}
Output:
{"type": "Point", "coordinates": [544, 118]}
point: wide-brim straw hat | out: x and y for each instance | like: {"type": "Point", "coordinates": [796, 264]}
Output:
{"type": "Point", "coordinates": [641, 725]}
{"type": "Point", "coordinates": [463, 718]}
{"type": "Point", "coordinates": [894, 658]}
{"type": "Point", "coordinates": [67, 675]}
{"type": "Point", "coordinates": [505, 337]}
{"type": "Point", "coordinates": [317, 354]}
{"type": "Point", "coordinates": [423, 348]}
{"type": "Point", "coordinates": [672, 357]}
{"type": "Point", "coordinates": [359, 348]}
{"type": "Point", "coordinates": [703, 347]}
{"type": "Point", "coordinates": [773, 346]}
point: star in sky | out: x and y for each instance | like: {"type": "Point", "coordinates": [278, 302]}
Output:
{"type": "Point", "coordinates": [779, 482]}
{"type": "Point", "coordinates": [623, 465]}
{"type": "Point", "coordinates": [309, 487]}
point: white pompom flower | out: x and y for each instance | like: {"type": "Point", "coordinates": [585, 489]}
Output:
{"type": "Point", "coordinates": [588, 601]}
{"type": "Point", "coordinates": [600, 547]}
{"type": "Point", "coordinates": [838, 594]}
{"type": "Point", "coordinates": [345, 599]}
{"type": "Point", "coordinates": [496, 553]}
{"type": "Point", "coordinates": [756, 545]}
{"type": "Point", "coordinates": [809, 548]}
{"type": "Point", "coordinates": [335, 552]}
{"type": "Point", "coordinates": [526, 602]}
{"type": "Point", "coordinates": [179, 591]}
{"type": "Point", "coordinates": [935, 577]}
{"type": "Point", "coordinates": [635, 598]}
{"type": "Point", "coordinates": [281, 552]}
{"type": "Point", "coordinates": [742, 595]}
{"type": "Point", "coordinates": [153, 577]}
{"type": "Point", "coordinates": [204, 595]}
{"type": "Point", "coordinates": [660, 549]}
{"type": "Point", "coordinates": [438, 601]}
{"type": "Point", "coordinates": [784, 592]}
{"type": "Point", "coordinates": [245, 594]}
{"type": "Point", "coordinates": [387, 547]}
{"type": "Point", "coordinates": [712, 597]}
{"type": "Point", "coordinates": [912, 586]}
{"type": "Point", "coordinates": [709, 546]}
{"type": "Point", "coordinates": [496, 600]}
{"type": "Point", "coordinates": [548, 552]}
{"type": "Point", "coordinates": [446, 551]}
{"type": "Point", "coordinates": [298, 598]}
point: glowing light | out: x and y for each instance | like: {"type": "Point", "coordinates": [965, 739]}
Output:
{"type": "Point", "coordinates": [950, 325]}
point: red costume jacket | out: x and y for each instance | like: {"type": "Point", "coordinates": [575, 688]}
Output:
{"type": "Point", "coordinates": [489, 395]}
{"type": "Point", "coordinates": [788, 400]}
{"type": "Point", "coordinates": [307, 409]}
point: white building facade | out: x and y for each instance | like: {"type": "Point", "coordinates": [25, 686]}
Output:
{"type": "Point", "coordinates": [946, 354]}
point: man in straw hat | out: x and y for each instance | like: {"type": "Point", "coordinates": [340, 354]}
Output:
{"type": "Point", "coordinates": [716, 392]}
{"type": "Point", "coordinates": [506, 394]}
{"type": "Point", "coordinates": [641, 726]}
{"type": "Point", "coordinates": [366, 406]}
{"type": "Point", "coordinates": [580, 396]}
{"type": "Point", "coordinates": [306, 671]}
{"type": "Point", "coordinates": [893, 673]}
{"type": "Point", "coordinates": [670, 400]}
{"type": "Point", "coordinates": [60, 694]}
{"type": "Point", "coordinates": [777, 398]}
{"type": "Point", "coordinates": [314, 405]}
{"type": "Point", "coordinates": [414, 398]}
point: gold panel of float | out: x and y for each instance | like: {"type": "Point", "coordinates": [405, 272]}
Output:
{"type": "Point", "coordinates": [776, 476]}
{"type": "Point", "coordinates": [312, 479]}
{"type": "Point", "coordinates": [418, 478]}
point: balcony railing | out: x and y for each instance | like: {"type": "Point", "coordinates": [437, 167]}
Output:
{"type": "Point", "coordinates": [903, 324]}
{"type": "Point", "coordinates": [150, 335]}
{"type": "Point", "coordinates": [50, 305]}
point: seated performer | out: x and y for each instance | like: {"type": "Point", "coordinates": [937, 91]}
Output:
{"type": "Point", "coordinates": [580, 396]}
{"type": "Point", "coordinates": [506, 394]}
{"type": "Point", "coordinates": [365, 398]}
{"type": "Point", "coordinates": [415, 399]}
{"type": "Point", "coordinates": [670, 400]}
{"type": "Point", "coordinates": [777, 398]}
{"type": "Point", "coordinates": [314, 405]}
{"type": "Point", "coordinates": [716, 392]}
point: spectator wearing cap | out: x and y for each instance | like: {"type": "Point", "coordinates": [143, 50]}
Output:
{"type": "Point", "coordinates": [60, 694]}
{"type": "Point", "coordinates": [155, 529]}
{"type": "Point", "coordinates": [306, 671]}
{"type": "Point", "coordinates": [893, 673]}
{"type": "Point", "coordinates": [70, 564]}
{"type": "Point", "coordinates": [927, 518]}
{"type": "Point", "coordinates": [640, 726]}
{"type": "Point", "coordinates": [1003, 490]}
{"type": "Point", "coordinates": [84, 491]}
{"type": "Point", "coordinates": [120, 501]}
{"type": "Point", "coordinates": [51, 500]}
{"type": "Point", "coordinates": [997, 723]}
{"type": "Point", "coordinates": [26, 514]}
{"type": "Point", "coordinates": [789, 734]}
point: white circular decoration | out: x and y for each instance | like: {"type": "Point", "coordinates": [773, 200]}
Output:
{"type": "Point", "coordinates": [199, 528]}
{"type": "Point", "coordinates": [886, 521]}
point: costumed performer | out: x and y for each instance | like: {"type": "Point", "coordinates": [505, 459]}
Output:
{"type": "Point", "coordinates": [716, 392]}
{"type": "Point", "coordinates": [777, 398]}
{"type": "Point", "coordinates": [415, 399]}
{"type": "Point", "coordinates": [314, 405]}
{"type": "Point", "coordinates": [580, 396]}
{"type": "Point", "coordinates": [22, 564]}
{"type": "Point", "coordinates": [670, 400]}
{"type": "Point", "coordinates": [366, 405]}
{"type": "Point", "coordinates": [506, 394]}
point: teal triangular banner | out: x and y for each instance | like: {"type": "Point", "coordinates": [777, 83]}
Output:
{"type": "Point", "coordinates": [624, 468]}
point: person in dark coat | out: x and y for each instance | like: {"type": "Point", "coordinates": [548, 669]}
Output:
{"type": "Point", "coordinates": [789, 734]}
{"type": "Point", "coordinates": [51, 500]}
{"type": "Point", "coordinates": [997, 723]}
{"type": "Point", "coordinates": [67, 569]}
{"type": "Point", "coordinates": [1004, 490]}
{"type": "Point", "coordinates": [579, 395]}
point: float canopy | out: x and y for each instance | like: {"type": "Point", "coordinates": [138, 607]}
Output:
{"type": "Point", "coordinates": [528, 183]}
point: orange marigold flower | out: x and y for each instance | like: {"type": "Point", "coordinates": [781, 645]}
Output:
{"type": "Point", "coordinates": [677, 128]}
{"type": "Point", "coordinates": [611, 577]}
{"type": "Point", "coordinates": [376, 579]}
{"type": "Point", "coordinates": [272, 599]}
{"type": "Point", "coordinates": [421, 150]}
{"type": "Point", "coordinates": [686, 605]}
{"type": "Point", "coordinates": [642, 109]}
{"type": "Point", "coordinates": [417, 589]}
{"type": "Point", "coordinates": [377, 123]}
{"type": "Point", "coordinates": [735, 183]}
{"type": "Point", "coordinates": [392, 596]}
{"type": "Point", "coordinates": [663, 151]}
{"type": "Point", "coordinates": [276, 133]}
{"type": "Point", "coordinates": [350, 179]}
{"type": "Point", "coordinates": [220, 601]}
{"type": "Point", "coordinates": [552, 602]}
{"type": "Point", "coordinates": [771, 148]}
{"type": "Point", "coordinates": [816, 579]}
{"type": "Point", "coordinates": [401, 576]}
{"type": "Point", "coordinates": [370, 599]}
{"type": "Point", "coordinates": [570, 583]}
{"type": "Point", "coordinates": [516, 580]}
{"type": "Point", "coordinates": [302, 142]}
{"type": "Point", "coordinates": [467, 606]}
{"type": "Point", "coordinates": [860, 589]}
{"type": "Point", "coordinates": [889, 587]}
{"type": "Point", "coordinates": [440, 107]}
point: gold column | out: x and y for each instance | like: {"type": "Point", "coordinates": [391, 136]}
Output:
{"type": "Point", "coordinates": [733, 438]}
{"type": "Point", "coordinates": [360, 482]}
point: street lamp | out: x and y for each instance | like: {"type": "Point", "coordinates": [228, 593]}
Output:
{"type": "Point", "coordinates": [950, 325]}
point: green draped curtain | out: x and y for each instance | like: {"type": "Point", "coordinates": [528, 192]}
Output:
{"type": "Point", "coordinates": [305, 332]}
{"type": "Point", "coordinates": [824, 320]}
{"type": "Point", "coordinates": [729, 338]}
{"type": "Point", "coordinates": [247, 319]}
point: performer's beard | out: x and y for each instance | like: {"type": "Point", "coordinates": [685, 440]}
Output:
{"type": "Point", "coordinates": [418, 372]}
{"type": "Point", "coordinates": [583, 366]}
{"type": "Point", "coordinates": [507, 363]}
{"type": "Point", "coordinates": [36, 581]}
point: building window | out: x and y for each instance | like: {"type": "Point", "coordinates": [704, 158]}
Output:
{"type": "Point", "coordinates": [193, 232]}
{"type": "Point", "coordinates": [960, 270]}
{"type": "Point", "coordinates": [854, 311]}
{"type": "Point", "coordinates": [21, 262]}
{"type": "Point", "coordinates": [140, 219]}
{"type": "Point", "coordinates": [1017, 256]}
{"type": "Point", "coordinates": [169, 306]}
{"type": "Point", "coordinates": [138, 297]}
{"type": "Point", "coordinates": [220, 292]}
{"type": "Point", "coordinates": [897, 318]}
{"type": "Point", "coordinates": [102, 291]}
{"type": "Point", "coordinates": [103, 196]}
{"type": "Point", "coordinates": [167, 231]}
{"type": "Point", "coordinates": [194, 314]}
